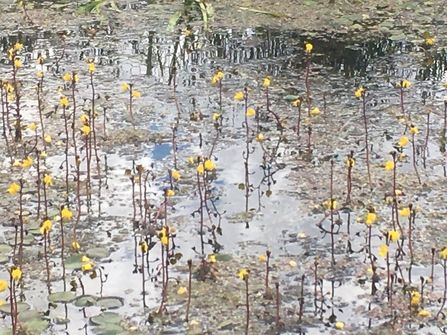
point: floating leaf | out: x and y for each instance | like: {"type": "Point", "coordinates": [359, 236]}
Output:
{"type": "Point", "coordinates": [108, 329]}
{"type": "Point", "coordinates": [30, 314]}
{"type": "Point", "coordinates": [3, 259]}
{"type": "Point", "coordinates": [63, 297]}
{"type": "Point", "coordinates": [291, 97]}
{"type": "Point", "coordinates": [98, 252]}
{"type": "Point", "coordinates": [85, 301]}
{"type": "Point", "coordinates": [35, 326]}
{"type": "Point", "coordinates": [110, 302]}
{"type": "Point", "coordinates": [74, 262]}
{"type": "Point", "coordinates": [21, 307]}
{"type": "Point", "coordinates": [106, 318]}
{"type": "Point", "coordinates": [223, 257]}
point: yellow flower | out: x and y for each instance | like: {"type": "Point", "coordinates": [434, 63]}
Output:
{"type": "Point", "coordinates": [17, 63]}
{"type": "Point", "coordinates": [124, 87]}
{"type": "Point", "coordinates": [187, 32]}
{"type": "Point", "coordinates": [308, 46]}
{"type": "Point", "coordinates": [17, 163]}
{"type": "Point", "coordinates": [415, 298]}
{"type": "Point", "coordinates": [91, 67]}
{"type": "Point", "coordinates": [3, 285]}
{"type": "Point", "coordinates": [423, 313]}
{"type": "Point", "coordinates": [266, 82]}
{"type": "Point", "coordinates": [64, 101]}
{"type": "Point", "coordinates": [259, 137]}
{"type": "Point", "coordinates": [370, 218]}
{"type": "Point", "coordinates": [239, 96]}
{"type": "Point", "coordinates": [27, 162]}
{"type": "Point", "coordinates": [66, 213]}
{"type": "Point", "coordinates": [85, 259]}
{"type": "Point", "coordinates": [43, 154]}
{"type": "Point", "coordinates": [87, 266]}
{"type": "Point", "coordinates": [11, 97]}
{"type": "Point", "coordinates": [182, 290]}
{"type": "Point", "coordinates": [243, 274]}
{"type": "Point", "coordinates": [170, 193]}
{"type": "Point", "coordinates": [75, 245]}
{"type": "Point", "coordinates": [360, 92]}
{"type": "Point", "coordinates": [66, 77]}
{"type": "Point", "coordinates": [296, 103]}
{"type": "Point", "coordinates": [18, 46]}
{"type": "Point", "coordinates": [219, 74]}
{"type": "Point", "coordinates": [191, 160]}
{"type": "Point", "coordinates": [48, 180]}
{"type": "Point", "coordinates": [430, 41]}
{"type": "Point", "coordinates": [293, 264]}
{"type": "Point", "coordinates": [404, 84]}
{"type": "Point", "coordinates": [403, 141]}
{"type": "Point", "coordinates": [144, 247]}
{"type": "Point", "coordinates": [40, 60]}
{"type": "Point", "coordinates": [212, 258]}
{"type": "Point", "coordinates": [45, 228]}
{"type": "Point", "coordinates": [339, 325]}
{"type": "Point", "coordinates": [444, 253]}
{"type": "Point", "coordinates": [76, 78]}
{"type": "Point", "coordinates": [209, 165]}
{"type": "Point", "coordinates": [216, 116]}
{"type": "Point", "coordinates": [136, 94]}
{"type": "Point", "coordinates": [32, 126]}
{"type": "Point", "coordinates": [16, 274]}
{"type": "Point", "coordinates": [350, 162]}
{"type": "Point", "coordinates": [393, 235]}
{"type": "Point", "coordinates": [389, 165]}
{"type": "Point", "coordinates": [399, 192]}
{"type": "Point", "coordinates": [48, 138]}
{"type": "Point", "coordinates": [262, 258]}
{"type": "Point", "coordinates": [315, 111]}
{"type": "Point", "coordinates": [175, 174]}
{"type": "Point", "coordinates": [85, 130]}
{"type": "Point", "coordinates": [39, 74]}
{"type": "Point", "coordinates": [413, 130]}
{"type": "Point", "coordinates": [84, 118]}
{"type": "Point", "coordinates": [215, 79]}
{"type": "Point", "coordinates": [164, 240]}
{"type": "Point", "coordinates": [405, 212]}
{"type": "Point", "coordinates": [383, 250]}
{"type": "Point", "coordinates": [200, 169]}
{"type": "Point", "coordinates": [251, 112]}
{"type": "Point", "coordinates": [330, 204]}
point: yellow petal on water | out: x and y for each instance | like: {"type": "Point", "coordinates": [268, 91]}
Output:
{"type": "Point", "coordinates": [293, 264]}
{"type": "Point", "coordinates": [182, 290]}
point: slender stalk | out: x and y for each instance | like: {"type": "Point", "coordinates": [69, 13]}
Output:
{"type": "Point", "coordinates": [366, 139]}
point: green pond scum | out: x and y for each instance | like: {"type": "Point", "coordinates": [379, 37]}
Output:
{"type": "Point", "coordinates": [223, 167]}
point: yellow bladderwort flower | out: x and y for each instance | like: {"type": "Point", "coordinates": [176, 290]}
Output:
{"type": "Point", "coordinates": [48, 180]}
{"type": "Point", "coordinates": [47, 139]}
{"type": "Point", "coordinates": [359, 92]}
{"type": "Point", "coordinates": [215, 79]}
{"type": "Point", "coordinates": [91, 67]}
{"type": "Point", "coordinates": [200, 169]}
{"type": "Point", "coordinates": [308, 47]}
{"type": "Point", "coordinates": [66, 213]}
{"type": "Point", "coordinates": [330, 204]}
{"type": "Point", "coordinates": [43, 154]}
{"type": "Point", "coordinates": [64, 101]}
{"type": "Point", "coordinates": [76, 78]}
{"type": "Point", "coordinates": [3, 285]}
{"type": "Point", "coordinates": [315, 111]}
{"type": "Point", "coordinates": [18, 46]}
{"type": "Point", "coordinates": [124, 87]}
{"type": "Point", "coordinates": [404, 84]}
{"type": "Point", "coordinates": [266, 82]}
{"type": "Point", "coordinates": [187, 32]}
{"type": "Point", "coordinates": [85, 130]}
{"type": "Point", "coordinates": [444, 253]}
{"type": "Point", "coordinates": [40, 60]}
{"type": "Point", "coordinates": [423, 313]}
{"type": "Point", "coordinates": [350, 162]}
{"type": "Point", "coordinates": [46, 227]}
{"type": "Point", "coordinates": [27, 162]}
{"type": "Point", "coordinates": [383, 250]}
{"type": "Point", "coordinates": [262, 258]}
{"type": "Point", "coordinates": [75, 245]}
{"type": "Point", "coordinates": [403, 141]}
{"type": "Point", "coordinates": [216, 116]}
{"type": "Point", "coordinates": [136, 94]}
{"type": "Point", "coordinates": [14, 188]}
{"type": "Point", "coordinates": [243, 274]}
{"type": "Point", "coordinates": [405, 212]}
{"type": "Point", "coordinates": [415, 298]}
{"type": "Point", "coordinates": [144, 247]}
{"type": "Point", "coordinates": [175, 174]}
{"type": "Point", "coordinates": [84, 118]}
{"type": "Point", "coordinates": [11, 97]}
{"type": "Point", "coordinates": [430, 41]}
{"type": "Point", "coordinates": [209, 165]}
{"type": "Point", "coordinates": [393, 235]}
{"type": "Point", "coordinates": [259, 137]}
{"type": "Point", "coordinates": [85, 259]}
{"type": "Point", "coordinates": [66, 77]}
{"type": "Point", "coordinates": [239, 96]}
{"type": "Point", "coordinates": [164, 240]}
{"type": "Point", "coordinates": [17, 63]}
{"type": "Point", "coordinates": [413, 130]}
{"type": "Point", "coordinates": [190, 160]}
{"type": "Point", "coordinates": [182, 290]}
{"type": "Point", "coordinates": [32, 126]}
{"type": "Point", "coordinates": [251, 112]}
{"type": "Point", "coordinates": [87, 266]}
{"type": "Point", "coordinates": [296, 103]}
{"type": "Point", "coordinates": [389, 165]}
{"type": "Point", "coordinates": [220, 74]}
{"type": "Point", "coordinates": [16, 274]}
{"type": "Point", "coordinates": [339, 325]}
{"type": "Point", "coordinates": [170, 193]}
{"type": "Point", "coordinates": [39, 74]}
{"type": "Point", "coordinates": [370, 218]}
{"type": "Point", "coordinates": [212, 258]}
{"type": "Point", "coordinates": [17, 163]}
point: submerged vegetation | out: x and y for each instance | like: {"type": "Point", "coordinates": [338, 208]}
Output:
{"type": "Point", "coordinates": [249, 183]}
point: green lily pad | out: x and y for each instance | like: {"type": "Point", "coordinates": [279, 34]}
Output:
{"type": "Point", "coordinates": [106, 318]}
{"type": "Point", "coordinates": [25, 316]}
{"type": "Point", "coordinates": [62, 297]}
{"type": "Point", "coordinates": [61, 321]}
{"type": "Point", "coordinates": [110, 302]}
{"type": "Point", "coordinates": [108, 329]}
{"type": "Point", "coordinates": [291, 97]}
{"type": "Point", "coordinates": [98, 253]}
{"type": "Point", "coordinates": [3, 259]}
{"type": "Point", "coordinates": [223, 257]}
{"type": "Point", "coordinates": [21, 307]}
{"type": "Point", "coordinates": [35, 326]}
{"type": "Point", "coordinates": [4, 248]}
{"type": "Point", "coordinates": [85, 301]}
{"type": "Point", "coordinates": [73, 262]}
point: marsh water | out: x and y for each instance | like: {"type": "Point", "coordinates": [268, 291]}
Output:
{"type": "Point", "coordinates": [273, 200]}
